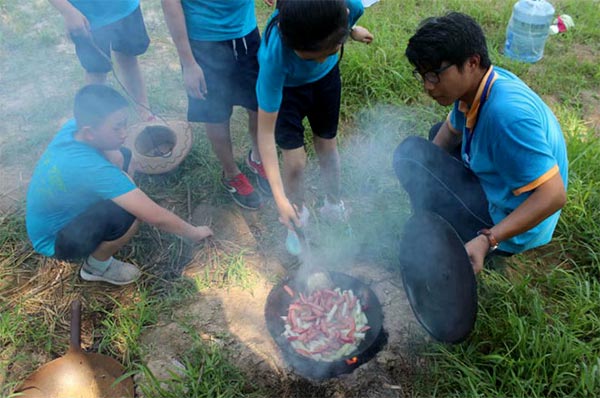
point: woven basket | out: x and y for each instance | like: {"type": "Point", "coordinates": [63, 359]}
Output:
{"type": "Point", "coordinates": [159, 147]}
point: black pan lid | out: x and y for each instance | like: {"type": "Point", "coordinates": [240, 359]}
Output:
{"type": "Point", "coordinates": [438, 277]}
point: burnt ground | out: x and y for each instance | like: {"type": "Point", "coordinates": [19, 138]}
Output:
{"type": "Point", "coordinates": [233, 318]}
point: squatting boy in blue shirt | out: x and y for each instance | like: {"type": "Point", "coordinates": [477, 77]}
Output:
{"type": "Point", "coordinates": [80, 205]}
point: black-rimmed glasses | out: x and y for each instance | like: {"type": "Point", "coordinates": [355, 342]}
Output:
{"type": "Point", "coordinates": [432, 76]}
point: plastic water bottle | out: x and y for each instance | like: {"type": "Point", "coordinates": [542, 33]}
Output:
{"type": "Point", "coordinates": [528, 30]}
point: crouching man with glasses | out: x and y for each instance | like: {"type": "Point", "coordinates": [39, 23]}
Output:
{"type": "Point", "coordinates": [496, 168]}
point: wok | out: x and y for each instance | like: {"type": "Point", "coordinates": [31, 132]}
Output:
{"type": "Point", "coordinates": [277, 306]}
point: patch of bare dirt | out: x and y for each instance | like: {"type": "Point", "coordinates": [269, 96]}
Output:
{"type": "Point", "coordinates": [584, 53]}
{"type": "Point", "coordinates": [591, 110]}
{"type": "Point", "coordinates": [13, 186]}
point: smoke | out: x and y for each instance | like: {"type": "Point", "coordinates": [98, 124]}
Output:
{"type": "Point", "coordinates": [378, 205]}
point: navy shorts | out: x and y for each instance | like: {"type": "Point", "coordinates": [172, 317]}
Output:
{"type": "Point", "coordinates": [104, 221]}
{"type": "Point", "coordinates": [230, 70]}
{"type": "Point", "coordinates": [127, 36]}
{"type": "Point", "coordinates": [319, 101]}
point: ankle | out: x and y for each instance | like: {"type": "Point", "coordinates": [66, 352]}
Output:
{"type": "Point", "coordinates": [230, 173]}
{"type": "Point", "coordinates": [96, 265]}
{"type": "Point", "coordinates": [253, 157]}
{"type": "Point", "coordinates": [331, 201]}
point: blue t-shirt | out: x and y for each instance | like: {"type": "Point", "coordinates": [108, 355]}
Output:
{"type": "Point", "coordinates": [280, 66]}
{"type": "Point", "coordinates": [517, 145]}
{"type": "Point", "coordinates": [218, 20]}
{"type": "Point", "coordinates": [70, 177]}
{"type": "Point", "coordinates": [102, 12]}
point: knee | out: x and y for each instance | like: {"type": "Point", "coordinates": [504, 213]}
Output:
{"type": "Point", "coordinates": [115, 157]}
{"type": "Point", "coordinates": [295, 172]}
{"type": "Point", "coordinates": [126, 60]}
{"type": "Point", "coordinates": [294, 169]}
{"type": "Point", "coordinates": [329, 159]}
{"type": "Point", "coordinates": [411, 153]}
{"type": "Point", "coordinates": [409, 150]}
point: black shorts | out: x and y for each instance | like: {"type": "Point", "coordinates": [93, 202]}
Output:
{"type": "Point", "coordinates": [230, 70]}
{"type": "Point", "coordinates": [319, 101]}
{"type": "Point", "coordinates": [103, 222]}
{"type": "Point", "coordinates": [127, 36]}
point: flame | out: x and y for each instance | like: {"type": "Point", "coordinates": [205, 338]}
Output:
{"type": "Point", "coordinates": [351, 361]}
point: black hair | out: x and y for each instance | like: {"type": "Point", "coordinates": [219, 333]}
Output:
{"type": "Point", "coordinates": [452, 38]}
{"type": "Point", "coordinates": [94, 103]}
{"type": "Point", "coordinates": [311, 25]}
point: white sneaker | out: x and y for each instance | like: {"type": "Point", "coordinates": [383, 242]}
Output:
{"type": "Point", "coordinates": [118, 273]}
{"type": "Point", "coordinates": [334, 212]}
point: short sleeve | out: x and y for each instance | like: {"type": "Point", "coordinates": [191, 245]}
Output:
{"type": "Point", "coordinates": [356, 10]}
{"type": "Point", "coordinates": [271, 74]}
{"type": "Point", "coordinates": [105, 179]}
{"type": "Point", "coordinates": [522, 153]}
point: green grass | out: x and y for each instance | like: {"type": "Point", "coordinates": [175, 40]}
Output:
{"type": "Point", "coordinates": [122, 326]}
{"type": "Point", "coordinates": [535, 337]}
{"type": "Point", "coordinates": [202, 372]}
{"type": "Point", "coordinates": [222, 270]}
{"type": "Point", "coordinates": [537, 333]}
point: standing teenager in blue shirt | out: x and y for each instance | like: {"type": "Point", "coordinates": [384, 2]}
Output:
{"type": "Point", "coordinates": [504, 186]}
{"type": "Point", "coordinates": [217, 42]}
{"type": "Point", "coordinates": [98, 27]}
{"type": "Point", "coordinates": [299, 78]}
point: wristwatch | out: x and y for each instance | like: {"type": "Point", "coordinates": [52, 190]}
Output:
{"type": "Point", "coordinates": [493, 242]}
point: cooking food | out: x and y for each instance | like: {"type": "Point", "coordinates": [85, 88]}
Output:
{"type": "Point", "coordinates": [325, 325]}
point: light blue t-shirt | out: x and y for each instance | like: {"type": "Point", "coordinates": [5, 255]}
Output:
{"type": "Point", "coordinates": [70, 177]}
{"type": "Point", "coordinates": [280, 66]}
{"type": "Point", "coordinates": [104, 12]}
{"type": "Point", "coordinates": [517, 144]}
{"type": "Point", "coordinates": [218, 20]}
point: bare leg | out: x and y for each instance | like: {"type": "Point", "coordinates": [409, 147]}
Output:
{"type": "Point", "coordinates": [294, 162]}
{"type": "Point", "coordinates": [95, 78]}
{"type": "Point", "coordinates": [329, 163]}
{"type": "Point", "coordinates": [129, 71]}
{"type": "Point", "coordinates": [220, 139]}
{"type": "Point", "coordinates": [116, 158]}
{"type": "Point", "coordinates": [252, 129]}
{"type": "Point", "coordinates": [106, 249]}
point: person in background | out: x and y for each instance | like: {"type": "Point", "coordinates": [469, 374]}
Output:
{"type": "Point", "coordinates": [299, 78]}
{"type": "Point", "coordinates": [96, 27]}
{"type": "Point", "coordinates": [496, 169]}
{"type": "Point", "coordinates": [217, 42]}
{"type": "Point", "coordinates": [270, 3]}
{"type": "Point", "coordinates": [82, 206]}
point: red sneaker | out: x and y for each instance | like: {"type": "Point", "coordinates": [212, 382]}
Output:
{"type": "Point", "coordinates": [242, 192]}
{"type": "Point", "coordinates": [261, 177]}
